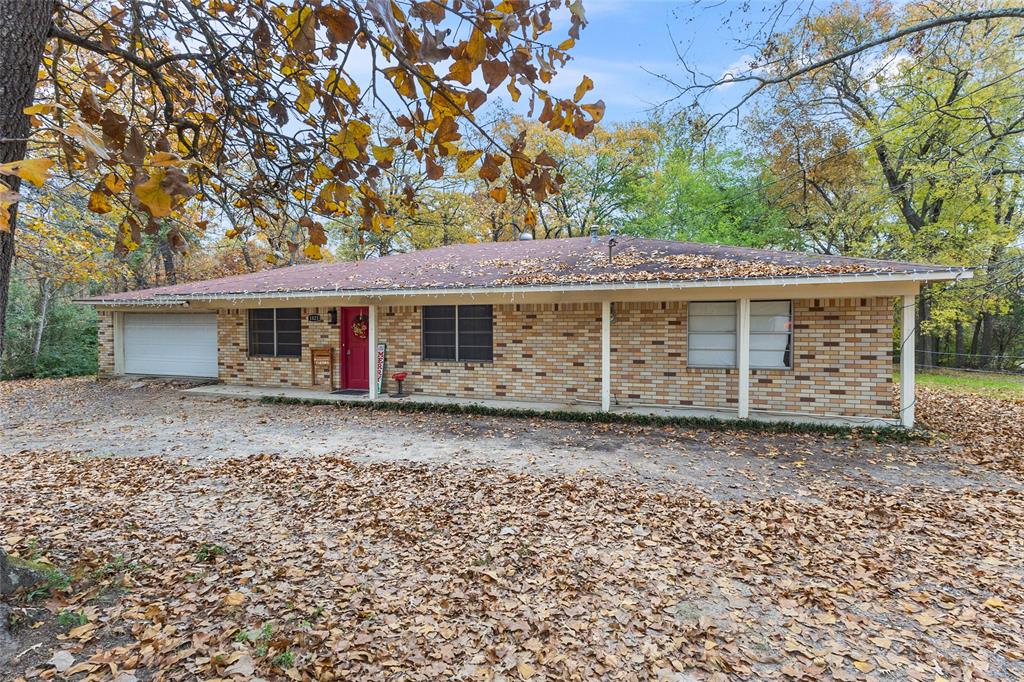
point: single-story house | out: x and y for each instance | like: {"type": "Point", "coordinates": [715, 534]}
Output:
{"type": "Point", "coordinates": [597, 323]}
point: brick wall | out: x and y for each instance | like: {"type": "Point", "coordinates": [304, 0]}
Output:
{"type": "Point", "coordinates": [105, 343]}
{"type": "Point", "coordinates": [549, 353]}
{"type": "Point", "coordinates": [842, 361]}
{"type": "Point", "coordinates": [842, 356]}
{"type": "Point", "coordinates": [235, 366]}
{"type": "Point", "coordinates": [649, 361]}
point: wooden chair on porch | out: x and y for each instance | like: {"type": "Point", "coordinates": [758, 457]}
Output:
{"type": "Point", "coordinates": [322, 354]}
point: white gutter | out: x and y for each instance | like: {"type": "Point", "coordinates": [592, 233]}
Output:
{"type": "Point", "coordinates": [550, 288]}
{"type": "Point", "coordinates": [168, 302]}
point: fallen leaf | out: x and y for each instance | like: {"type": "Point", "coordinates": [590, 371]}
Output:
{"type": "Point", "coordinates": [244, 666]}
{"type": "Point", "coordinates": [62, 660]}
{"type": "Point", "coordinates": [864, 666]}
{"type": "Point", "coordinates": [234, 599]}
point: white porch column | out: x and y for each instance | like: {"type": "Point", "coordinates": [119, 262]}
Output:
{"type": "Point", "coordinates": [743, 359]}
{"type": "Point", "coordinates": [606, 356]}
{"type": "Point", "coordinates": [372, 335]}
{"type": "Point", "coordinates": [907, 357]}
{"type": "Point", "coordinates": [117, 318]}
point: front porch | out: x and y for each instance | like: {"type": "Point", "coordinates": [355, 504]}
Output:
{"type": "Point", "coordinates": [293, 393]}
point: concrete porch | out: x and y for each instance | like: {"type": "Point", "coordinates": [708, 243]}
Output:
{"type": "Point", "coordinates": [259, 392]}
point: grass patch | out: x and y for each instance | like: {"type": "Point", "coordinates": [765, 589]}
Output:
{"type": "Point", "coordinates": [209, 551]}
{"type": "Point", "coordinates": [285, 659]}
{"type": "Point", "coordinates": [71, 619]}
{"type": "Point", "coordinates": [53, 581]}
{"type": "Point", "coordinates": [885, 434]}
{"type": "Point", "coordinates": [1006, 387]}
{"type": "Point", "coordinates": [115, 566]}
{"type": "Point", "coordinates": [261, 637]}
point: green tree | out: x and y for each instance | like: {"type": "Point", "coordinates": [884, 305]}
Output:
{"type": "Point", "coordinates": [911, 151]}
{"type": "Point", "coordinates": [716, 196]}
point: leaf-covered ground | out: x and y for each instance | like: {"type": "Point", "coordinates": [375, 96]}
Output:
{"type": "Point", "coordinates": [990, 430]}
{"type": "Point", "coordinates": [324, 567]}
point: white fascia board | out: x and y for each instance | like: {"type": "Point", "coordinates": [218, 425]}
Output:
{"type": "Point", "coordinates": [168, 302]}
{"type": "Point", "coordinates": [932, 276]}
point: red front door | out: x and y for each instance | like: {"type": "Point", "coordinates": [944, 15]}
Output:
{"type": "Point", "coordinates": [355, 348]}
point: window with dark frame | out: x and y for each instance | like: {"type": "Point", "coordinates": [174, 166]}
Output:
{"type": "Point", "coordinates": [463, 333]}
{"type": "Point", "coordinates": [476, 333]}
{"type": "Point", "coordinates": [275, 332]}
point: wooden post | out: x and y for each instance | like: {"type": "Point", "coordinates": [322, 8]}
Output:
{"type": "Point", "coordinates": [606, 356]}
{"type": "Point", "coordinates": [372, 335]}
{"type": "Point", "coordinates": [743, 359]}
{"type": "Point", "coordinates": [907, 364]}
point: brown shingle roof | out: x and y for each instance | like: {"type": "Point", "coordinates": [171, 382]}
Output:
{"type": "Point", "coordinates": [555, 262]}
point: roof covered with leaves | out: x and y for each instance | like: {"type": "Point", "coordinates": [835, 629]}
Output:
{"type": "Point", "coordinates": [569, 263]}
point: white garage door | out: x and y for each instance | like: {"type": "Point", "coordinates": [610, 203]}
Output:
{"type": "Point", "coordinates": [170, 345]}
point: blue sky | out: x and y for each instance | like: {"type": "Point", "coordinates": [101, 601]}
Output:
{"type": "Point", "coordinates": [625, 37]}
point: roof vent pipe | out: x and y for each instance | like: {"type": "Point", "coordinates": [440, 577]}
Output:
{"type": "Point", "coordinates": [593, 234]}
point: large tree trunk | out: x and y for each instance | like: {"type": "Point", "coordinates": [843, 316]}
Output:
{"type": "Point", "coordinates": [975, 340]}
{"type": "Point", "coordinates": [24, 26]}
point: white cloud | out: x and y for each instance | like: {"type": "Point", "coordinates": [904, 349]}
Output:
{"type": "Point", "coordinates": [740, 67]}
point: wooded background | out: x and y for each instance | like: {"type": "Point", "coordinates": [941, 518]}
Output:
{"type": "Point", "coordinates": [907, 149]}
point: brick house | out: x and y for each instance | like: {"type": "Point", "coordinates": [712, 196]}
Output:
{"type": "Point", "coordinates": [620, 324]}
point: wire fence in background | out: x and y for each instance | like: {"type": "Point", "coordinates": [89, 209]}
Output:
{"type": "Point", "coordinates": [968, 362]}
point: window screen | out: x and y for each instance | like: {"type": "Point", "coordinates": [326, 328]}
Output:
{"type": "Point", "coordinates": [439, 339]}
{"type": "Point", "coordinates": [463, 333]}
{"type": "Point", "coordinates": [711, 340]}
{"type": "Point", "coordinates": [275, 332]}
{"type": "Point", "coordinates": [475, 333]}
{"type": "Point", "coordinates": [771, 334]}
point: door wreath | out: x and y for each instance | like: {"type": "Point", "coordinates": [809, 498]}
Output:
{"type": "Point", "coordinates": [360, 325]}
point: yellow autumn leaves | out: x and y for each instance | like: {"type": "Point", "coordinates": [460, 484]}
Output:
{"type": "Point", "coordinates": [350, 142]}
{"type": "Point", "coordinates": [34, 171]}
{"type": "Point", "coordinates": [295, 73]}
{"type": "Point", "coordinates": [152, 195]}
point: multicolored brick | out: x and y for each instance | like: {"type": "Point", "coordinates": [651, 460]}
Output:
{"type": "Point", "coordinates": [842, 358]}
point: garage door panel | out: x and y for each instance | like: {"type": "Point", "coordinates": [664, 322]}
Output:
{"type": "Point", "coordinates": [170, 344]}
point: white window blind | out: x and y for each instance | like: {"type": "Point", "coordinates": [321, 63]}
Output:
{"type": "Point", "coordinates": [771, 334]}
{"type": "Point", "coordinates": [711, 334]}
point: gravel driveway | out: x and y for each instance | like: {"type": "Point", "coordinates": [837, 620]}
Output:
{"type": "Point", "coordinates": [137, 418]}
{"type": "Point", "coordinates": [203, 538]}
